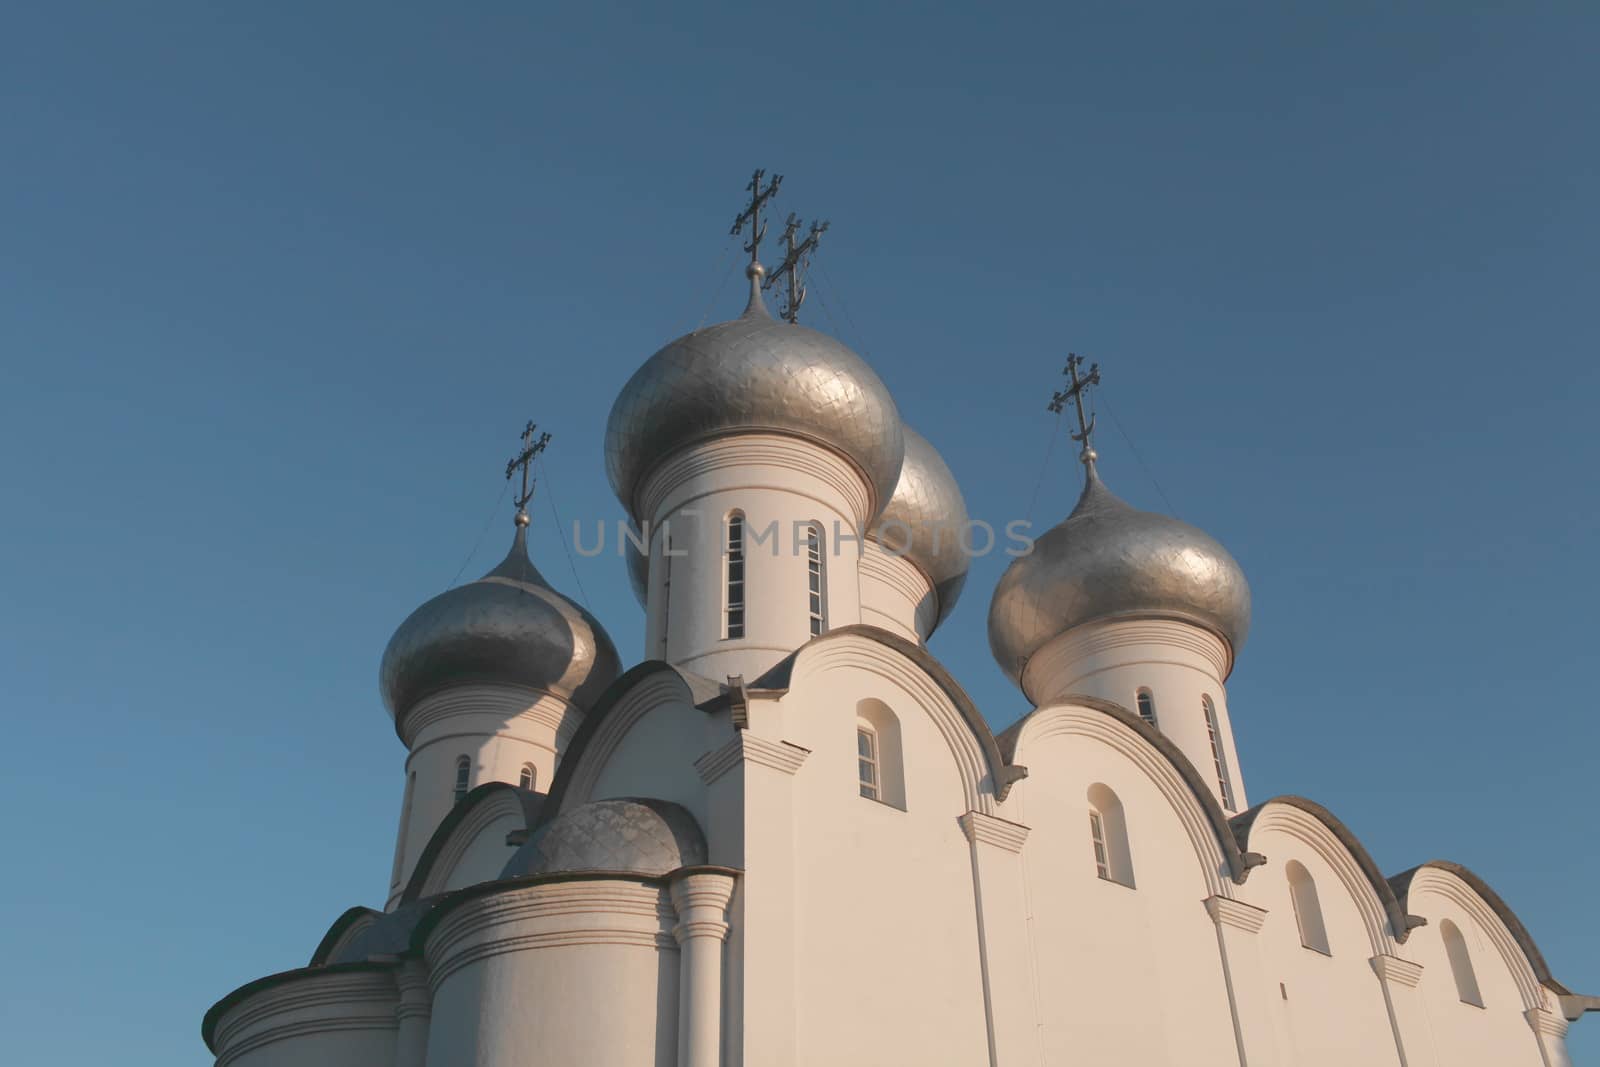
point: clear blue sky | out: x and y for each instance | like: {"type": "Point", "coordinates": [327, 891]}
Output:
{"type": "Point", "coordinates": [279, 284]}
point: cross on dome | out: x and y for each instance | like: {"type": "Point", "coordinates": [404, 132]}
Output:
{"type": "Point", "coordinates": [531, 447]}
{"type": "Point", "coordinates": [1075, 392]}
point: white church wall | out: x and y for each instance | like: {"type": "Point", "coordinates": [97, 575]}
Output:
{"type": "Point", "coordinates": [1180, 664]}
{"type": "Point", "coordinates": [1498, 1031]}
{"type": "Point", "coordinates": [569, 972]}
{"type": "Point", "coordinates": [327, 1019]}
{"type": "Point", "coordinates": [886, 949]}
{"type": "Point", "coordinates": [1328, 1002]}
{"type": "Point", "coordinates": [1126, 973]}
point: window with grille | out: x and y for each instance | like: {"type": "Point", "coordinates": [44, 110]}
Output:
{"type": "Point", "coordinates": [1147, 706]}
{"type": "Point", "coordinates": [526, 779]}
{"type": "Point", "coordinates": [814, 577]}
{"type": "Point", "coordinates": [867, 762]}
{"type": "Point", "coordinates": [463, 777]}
{"type": "Point", "coordinates": [1097, 834]}
{"type": "Point", "coordinates": [734, 625]}
{"type": "Point", "coordinates": [1214, 734]}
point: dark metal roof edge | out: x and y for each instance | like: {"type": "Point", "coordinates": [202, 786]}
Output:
{"type": "Point", "coordinates": [532, 803]}
{"type": "Point", "coordinates": [340, 927]}
{"type": "Point", "coordinates": [1401, 884]}
{"type": "Point", "coordinates": [1400, 923]}
{"type": "Point", "coordinates": [1239, 861]}
{"type": "Point", "coordinates": [208, 1024]}
{"type": "Point", "coordinates": [1002, 772]}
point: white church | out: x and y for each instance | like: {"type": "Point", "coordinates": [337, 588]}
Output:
{"type": "Point", "coordinates": [786, 836]}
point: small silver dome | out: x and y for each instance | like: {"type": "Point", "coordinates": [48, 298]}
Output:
{"type": "Point", "coordinates": [509, 626]}
{"type": "Point", "coordinates": [753, 375]}
{"type": "Point", "coordinates": [1110, 560]}
{"type": "Point", "coordinates": [926, 521]}
{"type": "Point", "coordinates": [632, 835]}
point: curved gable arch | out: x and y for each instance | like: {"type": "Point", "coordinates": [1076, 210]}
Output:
{"type": "Point", "coordinates": [1217, 852]}
{"type": "Point", "coordinates": [916, 670]}
{"type": "Point", "coordinates": [345, 929]}
{"type": "Point", "coordinates": [1320, 830]}
{"type": "Point", "coordinates": [628, 699]}
{"type": "Point", "coordinates": [1499, 923]}
{"type": "Point", "coordinates": [850, 648]}
{"type": "Point", "coordinates": [461, 828]}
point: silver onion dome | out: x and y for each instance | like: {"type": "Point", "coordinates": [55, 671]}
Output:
{"type": "Point", "coordinates": [509, 626]}
{"type": "Point", "coordinates": [753, 375]}
{"type": "Point", "coordinates": [926, 521]}
{"type": "Point", "coordinates": [1110, 560]}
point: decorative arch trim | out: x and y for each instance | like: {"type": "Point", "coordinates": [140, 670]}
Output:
{"type": "Point", "coordinates": [1393, 912]}
{"type": "Point", "coordinates": [472, 807]}
{"type": "Point", "coordinates": [600, 733]}
{"type": "Point", "coordinates": [344, 929]}
{"type": "Point", "coordinates": [1002, 773]}
{"type": "Point", "coordinates": [1239, 862]}
{"type": "Point", "coordinates": [1510, 937]}
{"type": "Point", "coordinates": [213, 1016]}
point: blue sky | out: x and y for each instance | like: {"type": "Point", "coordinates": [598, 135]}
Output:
{"type": "Point", "coordinates": [280, 284]}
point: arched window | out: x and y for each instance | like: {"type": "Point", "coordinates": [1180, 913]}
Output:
{"type": "Point", "coordinates": [1108, 836]}
{"type": "Point", "coordinates": [733, 626]}
{"type": "Point", "coordinates": [1214, 733]}
{"type": "Point", "coordinates": [463, 776]}
{"type": "Point", "coordinates": [1307, 908]}
{"type": "Point", "coordinates": [879, 763]}
{"type": "Point", "coordinates": [1147, 706]}
{"type": "Point", "coordinates": [527, 777]}
{"type": "Point", "coordinates": [816, 587]}
{"type": "Point", "coordinates": [666, 590]}
{"type": "Point", "coordinates": [1455, 946]}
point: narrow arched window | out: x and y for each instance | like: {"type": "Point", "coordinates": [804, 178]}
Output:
{"type": "Point", "coordinates": [1147, 706]}
{"type": "Point", "coordinates": [666, 589]}
{"type": "Point", "coordinates": [1108, 836]}
{"type": "Point", "coordinates": [1455, 946]}
{"type": "Point", "coordinates": [1214, 734]}
{"type": "Point", "coordinates": [880, 765]}
{"type": "Point", "coordinates": [1307, 908]}
{"type": "Point", "coordinates": [734, 554]}
{"type": "Point", "coordinates": [816, 587]}
{"type": "Point", "coordinates": [867, 761]}
{"type": "Point", "coordinates": [463, 776]}
{"type": "Point", "coordinates": [527, 777]}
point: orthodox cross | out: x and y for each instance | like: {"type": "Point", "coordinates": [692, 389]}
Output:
{"type": "Point", "coordinates": [795, 260]}
{"type": "Point", "coordinates": [531, 446]}
{"type": "Point", "coordinates": [1074, 393]}
{"type": "Point", "coordinates": [752, 214]}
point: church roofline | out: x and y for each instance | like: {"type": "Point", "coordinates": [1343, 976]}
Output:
{"type": "Point", "coordinates": [1401, 886]}
{"type": "Point", "coordinates": [532, 804]}
{"type": "Point", "coordinates": [1401, 923]}
{"type": "Point", "coordinates": [1240, 862]}
{"type": "Point", "coordinates": [1002, 771]}
{"type": "Point", "coordinates": [336, 932]}
{"type": "Point", "coordinates": [214, 1014]}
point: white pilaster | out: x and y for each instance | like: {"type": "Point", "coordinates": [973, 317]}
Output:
{"type": "Point", "coordinates": [1242, 970]}
{"type": "Point", "coordinates": [413, 1014]}
{"type": "Point", "coordinates": [1010, 1000]}
{"type": "Point", "coordinates": [1407, 1013]}
{"type": "Point", "coordinates": [1550, 1030]}
{"type": "Point", "coordinates": [701, 899]}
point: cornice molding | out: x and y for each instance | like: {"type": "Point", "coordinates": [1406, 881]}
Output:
{"type": "Point", "coordinates": [1396, 970]}
{"type": "Point", "coordinates": [508, 702]}
{"type": "Point", "coordinates": [1547, 1023]}
{"type": "Point", "coordinates": [993, 830]}
{"type": "Point", "coordinates": [763, 454]}
{"type": "Point", "coordinates": [1225, 911]}
{"type": "Point", "coordinates": [748, 748]}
